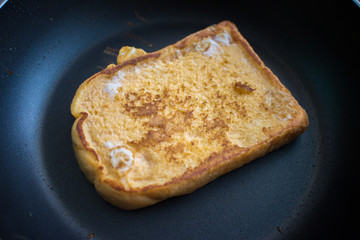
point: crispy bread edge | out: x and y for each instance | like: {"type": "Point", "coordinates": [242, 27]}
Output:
{"type": "Point", "coordinates": [216, 165]}
{"type": "Point", "coordinates": [86, 156]}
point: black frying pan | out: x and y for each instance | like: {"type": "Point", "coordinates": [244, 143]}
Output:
{"type": "Point", "coordinates": [303, 190]}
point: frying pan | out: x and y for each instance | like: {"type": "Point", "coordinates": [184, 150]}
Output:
{"type": "Point", "coordinates": [304, 190]}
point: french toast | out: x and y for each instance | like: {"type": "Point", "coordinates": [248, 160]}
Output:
{"type": "Point", "coordinates": [162, 124]}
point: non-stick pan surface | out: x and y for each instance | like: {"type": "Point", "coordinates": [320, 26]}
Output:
{"type": "Point", "coordinates": [303, 190]}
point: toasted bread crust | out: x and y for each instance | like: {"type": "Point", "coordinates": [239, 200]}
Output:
{"type": "Point", "coordinates": [217, 164]}
{"type": "Point", "coordinates": [133, 61]}
{"type": "Point", "coordinates": [81, 135]}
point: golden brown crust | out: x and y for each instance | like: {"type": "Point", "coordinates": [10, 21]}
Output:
{"type": "Point", "coordinates": [217, 164]}
{"type": "Point", "coordinates": [87, 158]}
{"type": "Point", "coordinates": [228, 154]}
{"type": "Point", "coordinates": [81, 134]}
{"type": "Point", "coordinates": [132, 61]}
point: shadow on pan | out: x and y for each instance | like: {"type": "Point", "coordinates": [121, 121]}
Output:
{"type": "Point", "coordinates": [301, 191]}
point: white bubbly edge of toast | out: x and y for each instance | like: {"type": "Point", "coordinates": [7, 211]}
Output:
{"type": "Point", "coordinates": [215, 166]}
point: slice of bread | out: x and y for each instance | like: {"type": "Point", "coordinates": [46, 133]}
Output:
{"type": "Point", "coordinates": [163, 124]}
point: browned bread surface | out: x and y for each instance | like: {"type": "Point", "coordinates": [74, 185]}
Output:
{"type": "Point", "coordinates": [163, 124]}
